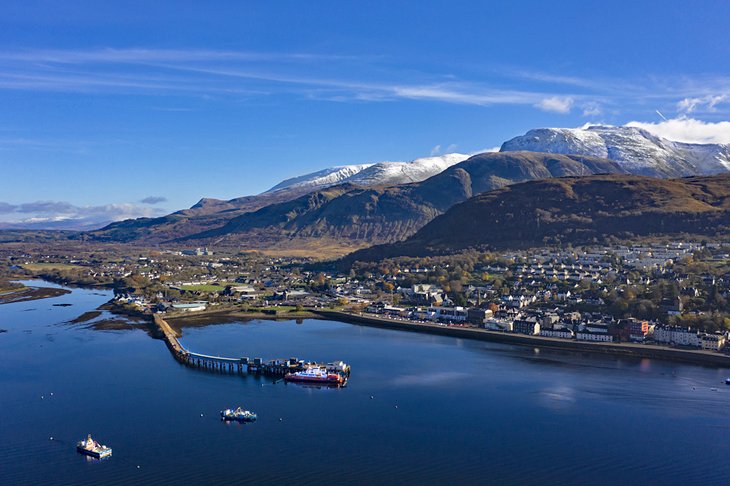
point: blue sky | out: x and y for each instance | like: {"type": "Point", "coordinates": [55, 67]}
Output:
{"type": "Point", "coordinates": [103, 107]}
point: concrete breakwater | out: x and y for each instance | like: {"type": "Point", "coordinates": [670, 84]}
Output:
{"type": "Point", "coordinates": [707, 358]}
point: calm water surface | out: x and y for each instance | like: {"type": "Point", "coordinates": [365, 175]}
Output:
{"type": "Point", "coordinates": [442, 409]}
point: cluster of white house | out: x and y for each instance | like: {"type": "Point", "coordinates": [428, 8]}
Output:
{"type": "Point", "coordinates": [686, 336]}
{"type": "Point", "coordinates": [549, 325]}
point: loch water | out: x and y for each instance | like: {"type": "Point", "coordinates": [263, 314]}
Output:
{"type": "Point", "coordinates": [418, 409]}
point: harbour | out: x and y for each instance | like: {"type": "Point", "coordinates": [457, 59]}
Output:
{"type": "Point", "coordinates": [496, 403]}
{"type": "Point", "coordinates": [277, 368]}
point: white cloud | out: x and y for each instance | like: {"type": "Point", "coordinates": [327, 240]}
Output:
{"type": "Point", "coordinates": [440, 149]}
{"type": "Point", "coordinates": [688, 130]}
{"type": "Point", "coordinates": [485, 150]}
{"type": "Point", "coordinates": [707, 103]}
{"type": "Point", "coordinates": [592, 109]}
{"type": "Point", "coordinates": [587, 125]}
{"type": "Point", "coordinates": [33, 213]}
{"type": "Point", "coordinates": [153, 200]}
{"type": "Point", "coordinates": [557, 104]}
{"type": "Point", "coordinates": [200, 72]}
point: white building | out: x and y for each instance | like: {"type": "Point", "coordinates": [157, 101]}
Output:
{"type": "Point", "coordinates": [191, 307]}
{"type": "Point", "coordinates": [557, 333]}
{"type": "Point", "coordinates": [681, 336]}
{"type": "Point", "coordinates": [499, 325]}
{"type": "Point", "coordinates": [453, 314]}
{"type": "Point", "coordinates": [593, 336]}
{"type": "Point", "coordinates": [713, 342]}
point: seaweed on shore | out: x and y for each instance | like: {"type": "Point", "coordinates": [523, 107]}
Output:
{"type": "Point", "coordinates": [86, 316]}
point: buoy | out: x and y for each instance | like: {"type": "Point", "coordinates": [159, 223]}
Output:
{"type": "Point", "coordinates": [371, 397]}
{"type": "Point", "coordinates": [396, 406]}
{"type": "Point", "coordinates": [42, 397]}
{"type": "Point", "coordinates": [137, 467]}
{"type": "Point", "coordinates": [51, 437]}
{"type": "Point", "coordinates": [201, 414]}
{"type": "Point", "coordinates": [51, 393]}
{"type": "Point", "coordinates": [281, 419]}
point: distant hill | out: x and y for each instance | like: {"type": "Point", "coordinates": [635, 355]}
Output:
{"type": "Point", "coordinates": [385, 214]}
{"type": "Point", "coordinates": [388, 201]}
{"type": "Point", "coordinates": [576, 210]}
{"type": "Point", "coordinates": [209, 213]}
{"type": "Point", "coordinates": [635, 150]}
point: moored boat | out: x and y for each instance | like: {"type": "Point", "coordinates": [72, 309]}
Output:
{"type": "Point", "coordinates": [92, 448]}
{"type": "Point", "coordinates": [316, 375]}
{"type": "Point", "coordinates": [727, 380]}
{"type": "Point", "coordinates": [238, 414]}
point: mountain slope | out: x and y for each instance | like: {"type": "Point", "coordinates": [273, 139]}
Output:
{"type": "Point", "coordinates": [211, 213]}
{"type": "Point", "coordinates": [578, 210]}
{"type": "Point", "coordinates": [634, 149]}
{"type": "Point", "coordinates": [321, 178]}
{"type": "Point", "coordinates": [385, 214]}
{"type": "Point", "coordinates": [367, 175]}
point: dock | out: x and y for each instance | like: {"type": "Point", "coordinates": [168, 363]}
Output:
{"type": "Point", "coordinates": [277, 368]}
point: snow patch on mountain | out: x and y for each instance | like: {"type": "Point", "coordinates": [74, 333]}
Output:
{"type": "Point", "coordinates": [634, 149]}
{"type": "Point", "coordinates": [321, 178]}
{"type": "Point", "coordinates": [377, 174]}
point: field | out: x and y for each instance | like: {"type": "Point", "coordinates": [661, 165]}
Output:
{"type": "Point", "coordinates": [10, 287]}
{"type": "Point", "coordinates": [207, 287]}
{"type": "Point", "coordinates": [39, 267]}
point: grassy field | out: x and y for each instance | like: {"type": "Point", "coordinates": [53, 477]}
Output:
{"type": "Point", "coordinates": [319, 249]}
{"type": "Point", "coordinates": [9, 287]}
{"type": "Point", "coordinates": [39, 267]}
{"type": "Point", "coordinates": [207, 287]}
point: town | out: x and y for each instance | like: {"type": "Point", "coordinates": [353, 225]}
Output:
{"type": "Point", "coordinates": [672, 294]}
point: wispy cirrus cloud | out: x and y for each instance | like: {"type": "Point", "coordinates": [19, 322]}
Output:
{"type": "Point", "coordinates": [200, 71]}
{"type": "Point", "coordinates": [706, 103]}
{"type": "Point", "coordinates": [342, 78]}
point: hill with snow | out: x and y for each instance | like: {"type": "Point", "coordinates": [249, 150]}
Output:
{"type": "Point", "coordinates": [634, 149]}
{"type": "Point", "coordinates": [370, 175]}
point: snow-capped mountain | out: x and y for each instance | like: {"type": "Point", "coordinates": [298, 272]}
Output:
{"type": "Point", "coordinates": [378, 174]}
{"type": "Point", "coordinates": [634, 149]}
{"type": "Point", "coordinates": [321, 178]}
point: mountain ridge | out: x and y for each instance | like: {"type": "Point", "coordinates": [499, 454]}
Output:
{"type": "Point", "coordinates": [381, 212]}
{"type": "Point", "coordinates": [634, 149]}
{"type": "Point", "coordinates": [577, 210]}
{"type": "Point", "coordinates": [385, 214]}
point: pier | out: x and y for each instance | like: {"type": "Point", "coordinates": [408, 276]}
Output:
{"type": "Point", "coordinates": [277, 368]}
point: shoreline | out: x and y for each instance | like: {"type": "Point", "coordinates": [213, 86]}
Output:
{"type": "Point", "coordinates": [216, 316]}
{"type": "Point", "coordinates": [29, 294]}
{"type": "Point", "coordinates": [706, 358]}
{"type": "Point", "coordinates": [698, 357]}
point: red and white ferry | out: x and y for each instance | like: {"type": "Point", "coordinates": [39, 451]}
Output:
{"type": "Point", "coordinates": [316, 375]}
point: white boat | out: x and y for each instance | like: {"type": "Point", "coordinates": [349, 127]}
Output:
{"type": "Point", "coordinates": [92, 448]}
{"type": "Point", "coordinates": [238, 414]}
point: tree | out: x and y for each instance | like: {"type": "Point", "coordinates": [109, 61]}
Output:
{"type": "Point", "coordinates": [458, 299]}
